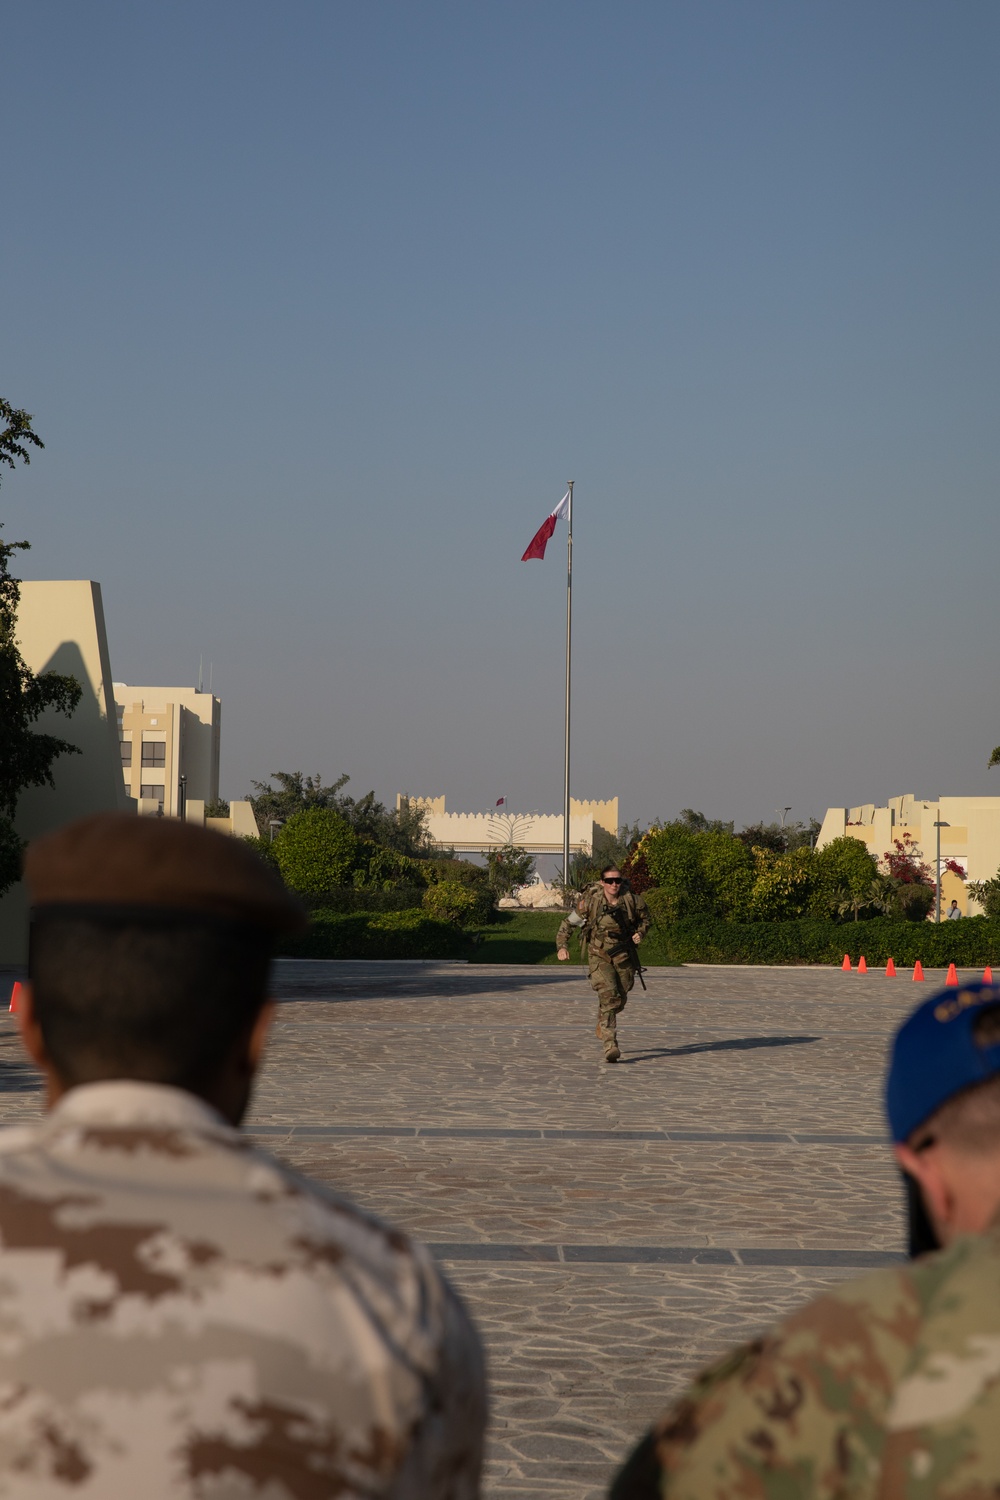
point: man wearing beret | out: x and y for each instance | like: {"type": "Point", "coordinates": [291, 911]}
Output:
{"type": "Point", "coordinates": [180, 1315]}
{"type": "Point", "coordinates": [888, 1386]}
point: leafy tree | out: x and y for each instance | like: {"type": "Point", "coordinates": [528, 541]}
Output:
{"type": "Point", "coordinates": [403, 830]}
{"type": "Point", "coordinates": [315, 850]}
{"type": "Point", "coordinates": [728, 868]}
{"type": "Point", "coordinates": [26, 755]}
{"type": "Point", "coordinates": [219, 808]}
{"type": "Point", "coordinates": [784, 884]}
{"type": "Point", "coordinates": [609, 848]}
{"type": "Point", "coordinates": [845, 870]}
{"type": "Point", "coordinates": [14, 436]}
{"type": "Point", "coordinates": [508, 867]}
{"type": "Point", "coordinates": [673, 857]}
{"type": "Point", "coordinates": [696, 822]}
{"type": "Point", "coordinates": [987, 893]}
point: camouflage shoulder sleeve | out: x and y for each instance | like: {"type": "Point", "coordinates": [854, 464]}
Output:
{"type": "Point", "coordinates": [797, 1414]}
{"type": "Point", "coordinates": [562, 936]}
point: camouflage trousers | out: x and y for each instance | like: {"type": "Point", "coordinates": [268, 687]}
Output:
{"type": "Point", "coordinates": [612, 979]}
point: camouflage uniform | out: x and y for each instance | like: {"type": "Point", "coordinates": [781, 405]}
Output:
{"type": "Point", "coordinates": [885, 1389]}
{"type": "Point", "coordinates": [604, 924]}
{"type": "Point", "coordinates": [181, 1316]}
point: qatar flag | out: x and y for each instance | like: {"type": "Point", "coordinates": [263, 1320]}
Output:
{"type": "Point", "coordinates": [536, 547]}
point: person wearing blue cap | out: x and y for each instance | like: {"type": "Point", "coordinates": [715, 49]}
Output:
{"type": "Point", "coordinates": [886, 1388]}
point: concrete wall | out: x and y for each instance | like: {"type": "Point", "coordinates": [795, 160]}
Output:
{"type": "Point", "coordinates": [970, 835]}
{"type": "Point", "coordinates": [540, 833]}
{"type": "Point", "coordinates": [60, 628]}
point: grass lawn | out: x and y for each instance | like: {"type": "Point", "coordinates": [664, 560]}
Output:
{"type": "Point", "coordinates": [529, 937]}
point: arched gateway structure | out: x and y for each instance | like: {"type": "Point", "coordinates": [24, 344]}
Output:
{"type": "Point", "coordinates": [539, 833]}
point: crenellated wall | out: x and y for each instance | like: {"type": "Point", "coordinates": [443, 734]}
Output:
{"type": "Point", "coordinates": [540, 833]}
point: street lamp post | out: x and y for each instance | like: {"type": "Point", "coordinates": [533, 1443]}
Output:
{"type": "Point", "coordinates": [937, 873]}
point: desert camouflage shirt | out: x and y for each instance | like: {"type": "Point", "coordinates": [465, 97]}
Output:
{"type": "Point", "coordinates": [887, 1388]}
{"type": "Point", "coordinates": [181, 1316]}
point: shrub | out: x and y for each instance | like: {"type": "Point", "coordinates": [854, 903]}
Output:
{"type": "Point", "coordinates": [509, 867]}
{"type": "Point", "coordinates": [782, 888]}
{"type": "Point", "coordinates": [474, 878]}
{"type": "Point", "coordinates": [315, 850]}
{"type": "Point", "coordinates": [378, 868]}
{"type": "Point", "coordinates": [728, 870]}
{"type": "Point", "coordinates": [348, 898]}
{"type": "Point", "coordinates": [263, 847]}
{"type": "Point", "coordinates": [387, 935]}
{"type": "Point", "coordinates": [450, 901]}
{"type": "Point", "coordinates": [969, 943]}
{"type": "Point", "coordinates": [914, 902]}
{"type": "Point", "coordinates": [845, 870]}
{"type": "Point", "coordinates": [673, 858]}
{"type": "Point", "coordinates": [987, 893]}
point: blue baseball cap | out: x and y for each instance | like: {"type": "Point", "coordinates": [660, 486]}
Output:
{"type": "Point", "coordinates": [935, 1056]}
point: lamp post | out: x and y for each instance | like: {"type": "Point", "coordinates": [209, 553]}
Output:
{"type": "Point", "coordinates": [274, 823]}
{"type": "Point", "coordinates": [937, 873]}
{"type": "Point", "coordinates": [782, 813]}
{"type": "Point", "coordinates": [182, 797]}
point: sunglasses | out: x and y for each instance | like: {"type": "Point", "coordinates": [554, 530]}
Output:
{"type": "Point", "coordinates": [612, 879]}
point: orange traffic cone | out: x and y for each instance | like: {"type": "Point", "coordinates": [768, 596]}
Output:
{"type": "Point", "coordinates": [846, 965]}
{"type": "Point", "coordinates": [987, 975]}
{"type": "Point", "coordinates": [918, 972]}
{"type": "Point", "coordinates": [15, 998]}
{"type": "Point", "coordinates": [890, 970]}
{"type": "Point", "coordinates": [862, 966]}
{"type": "Point", "coordinates": [952, 976]}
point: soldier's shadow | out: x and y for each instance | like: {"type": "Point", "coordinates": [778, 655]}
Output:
{"type": "Point", "coordinates": [732, 1044]}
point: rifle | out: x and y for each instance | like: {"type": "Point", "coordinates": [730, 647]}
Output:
{"type": "Point", "coordinates": [625, 945]}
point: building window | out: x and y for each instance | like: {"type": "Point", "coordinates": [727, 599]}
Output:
{"type": "Point", "coordinates": [154, 753]}
{"type": "Point", "coordinates": [126, 749]}
{"type": "Point", "coordinates": [156, 792]}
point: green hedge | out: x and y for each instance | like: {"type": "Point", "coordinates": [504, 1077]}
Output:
{"type": "Point", "coordinates": [972, 942]}
{"type": "Point", "coordinates": [390, 934]}
{"type": "Point", "coordinates": [350, 898]}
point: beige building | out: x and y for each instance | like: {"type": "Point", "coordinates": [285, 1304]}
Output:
{"type": "Point", "coordinates": [169, 745]}
{"type": "Point", "coordinates": [969, 832]}
{"type": "Point", "coordinates": [539, 833]}
{"type": "Point", "coordinates": [170, 732]}
{"type": "Point", "coordinates": [60, 628]}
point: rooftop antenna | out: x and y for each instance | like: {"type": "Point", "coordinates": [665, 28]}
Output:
{"type": "Point", "coordinates": [210, 677]}
{"type": "Point", "coordinates": [201, 675]}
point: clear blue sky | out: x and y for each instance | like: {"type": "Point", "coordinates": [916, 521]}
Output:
{"type": "Point", "coordinates": [317, 307]}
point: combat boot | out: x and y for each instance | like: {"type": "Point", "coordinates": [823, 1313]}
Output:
{"type": "Point", "coordinates": [611, 1052]}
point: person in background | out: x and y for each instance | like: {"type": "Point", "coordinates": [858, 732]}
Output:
{"type": "Point", "coordinates": [182, 1316]}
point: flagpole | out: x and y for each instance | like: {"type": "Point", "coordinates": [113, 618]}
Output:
{"type": "Point", "coordinates": [569, 659]}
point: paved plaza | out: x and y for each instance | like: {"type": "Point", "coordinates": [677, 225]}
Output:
{"type": "Point", "coordinates": [610, 1227]}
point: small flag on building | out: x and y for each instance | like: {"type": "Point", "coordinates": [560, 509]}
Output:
{"type": "Point", "coordinates": [536, 547]}
{"type": "Point", "coordinates": [502, 800]}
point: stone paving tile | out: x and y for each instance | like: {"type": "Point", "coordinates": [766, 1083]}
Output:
{"type": "Point", "coordinates": [767, 1083]}
{"type": "Point", "coordinates": [592, 1358]}
{"type": "Point", "coordinates": [642, 1193]}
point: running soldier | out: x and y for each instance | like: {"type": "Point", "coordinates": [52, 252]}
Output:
{"type": "Point", "coordinates": [612, 920]}
{"type": "Point", "coordinates": [184, 1318]}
